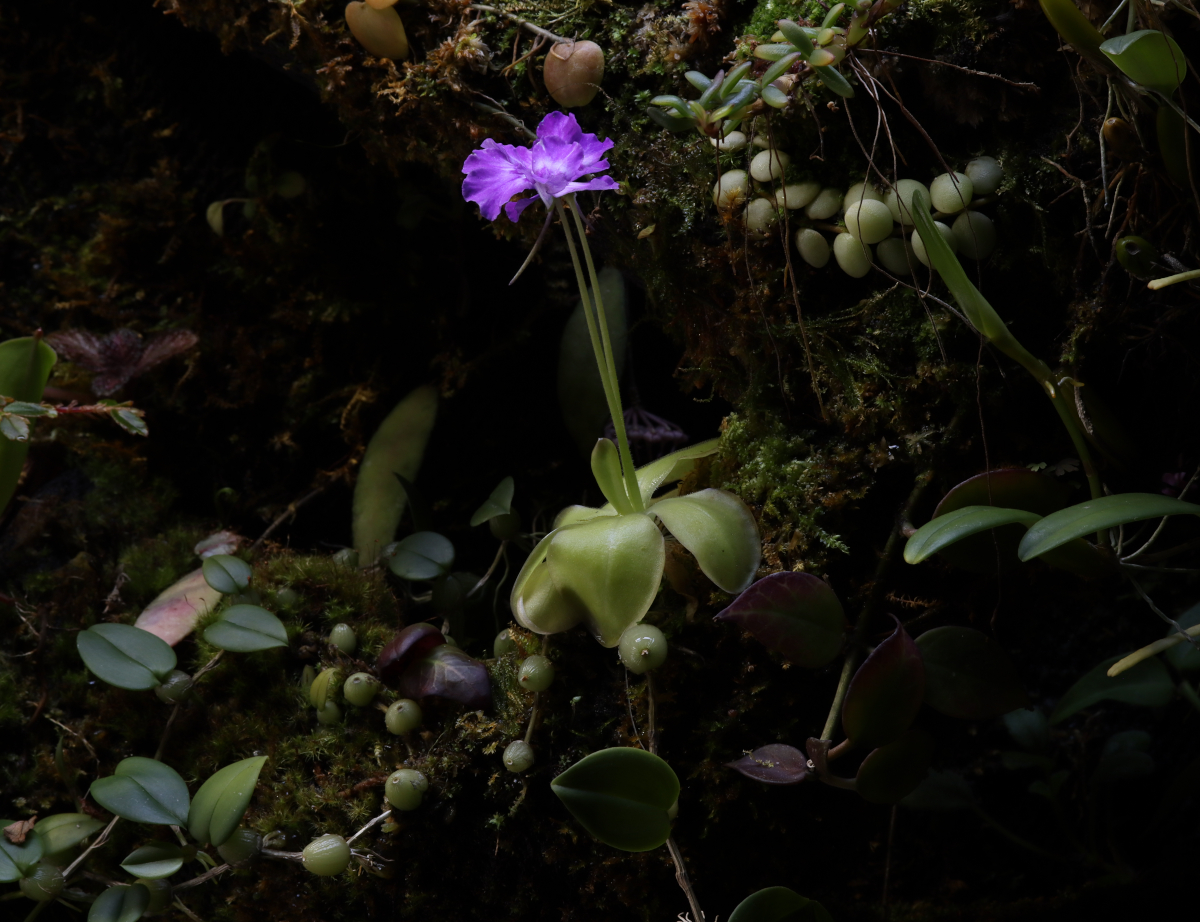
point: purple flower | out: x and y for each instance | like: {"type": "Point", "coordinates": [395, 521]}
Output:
{"type": "Point", "coordinates": [562, 155]}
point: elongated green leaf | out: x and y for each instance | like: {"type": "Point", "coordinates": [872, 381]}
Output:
{"type": "Point", "coordinates": [536, 601]}
{"type": "Point", "coordinates": [397, 447]}
{"type": "Point", "coordinates": [145, 791]}
{"type": "Point", "coordinates": [892, 772]}
{"type": "Point", "coordinates": [24, 369]}
{"type": "Point", "coordinates": [246, 629]}
{"type": "Point", "coordinates": [17, 860]}
{"type": "Point", "coordinates": [226, 573]}
{"type": "Point", "coordinates": [120, 904]}
{"type": "Point", "coordinates": [962, 523]}
{"type": "Point", "coordinates": [779, 904]}
{"type": "Point", "coordinates": [796, 35]}
{"type": "Point", "coordinates": [611, 566]}
{"type": "Point", "coordinates": [65, 830]}
{"type": "Point", "coordinates": [152, 862]}
{"type": "Point", "coordinates": [1148, 57]}
{"type": "Point", "coordinates": [499, 503]}
{"type": "Point", "coordinates": [777, 70]}
{"type": "Point", "coordinates": [1095, 515]}
{"type": "Point", "coordinates": [1147, 684]}
{"type": "Point", "coordinates": [621, 796]}
{"type": "Point", "coordinates": [222, 800]}
{"type": "Point", "coordinates": [606, 468]}
{"type": "Point", "coordinates": [1074, 27]}
{"type": "Point", "coordinates": [720, 531]}
{"type": "Point", "coordinates": [424, 555]}
{"type": "Point", "coordinates": [833, 79]}
{"type": "Point", "coordinates": [968, 675]}
{"type": "Point", "coordinates": [125, 656]}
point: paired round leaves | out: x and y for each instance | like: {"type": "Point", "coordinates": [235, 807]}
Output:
{"type": "Point", "coordinates": [968, 675]}
{"type": "Point", "coordinates": [499, 503]}
{"type": "Point", "coordinates": [246, 629]}
{"type": "Point", "coordinates": [779, 904]}
{"type": "Point", "coordinates": [621, 796]}
{"type": "Point", "coordinates": [120, 904]}
{"type": "Point", "coordinates": [222, 800]}
{"type": "Point", "coordinates": [423, 555]}
{"type": "Point", "coordinates": [1147, 684]}
{"type": "Point", "coordinates": [226, 573]}
{"type": "Point", "coordinates": [886, 692]}
{"type": "Point", "coordinates": [18, 860]}
{"type": "Point", "coordinates": [892, 772]}
{"type": "Point", "coordinates": [145, 791]}
{"type": "Point", "coordinates": [795, 615]}
{"type": "Point", "coordinates": [775, 763]}
{"type": "Point", "coordinates": [125, 656]}
{"type": "Point", "coordinates": [65, 830]}
{"type": "Point", "coordinates": [153, 862]}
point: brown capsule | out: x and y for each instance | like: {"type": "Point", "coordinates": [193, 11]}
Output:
{"type": "Point", "coordinates": [379, 31]}
{"type": "Point", "coordinates": [1122, 140]}
{"type": "Point", "coordinates": [410, 646]}
{"type": "Point", "coordinates": [573, 73]}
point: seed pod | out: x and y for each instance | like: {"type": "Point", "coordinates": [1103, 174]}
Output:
{"type": "Point", "coordinates": [899, 199]}
{"type": "Point", "coordinates": [642, 647]}
{"type": "Point", "coordinates": [326, 856]}
{"type": "Point", "coordinates": [760, 217]}
{"type": "Point", "coordinates": [733, 140]}
{"type": "Point", "coordinates": [403, 716]}
{"type": "Point", "coordinates": [173, 687]}
{"type": "Point", "coordinates": [985, 174]}
{"type": "Point", "coordinates": [329, 714]}
{"type": "Point", "coordinates": [860, 192]}
{"type": "Point", "coordinates": [827, 203]}
{"type": "Point", "coordinates": [813, 247]}
{"type": "Point", "coordinates": [503, 644]}
{"type": "Point", "coordinates": [975, 234]}
{"type": "Point", "coordinates": [518, 756]}
{"type": "Point", "coordinates": [573, 73]}
{"type": "Point", "coordinates": [1137, 256]}
{"type": "Point", "coordinates": [343, 637]}
{"type": "Point", "coordinates": [797, 195]}
{"type": "Point", "coordinates": [360, 689]}
{"type": "Point", "coordinates": [405, 789]}
{"type": "Point", "coordinates": [43, 884]}
{"type": "Point", "coordinates": [768, 165]}
{"type": "Point", "coordinates": [852, 255]}
{"type": "Point", "coordinates": [894, 255]}
{"type": "Point", "coordinates": [380, 32]}
{"type": "Point", "coordinates": [537, 672]}
{"type": "Point", "coordinates": [730, 190]}
{"type": "Point", "coordinates": [950, 193]}
{"type": "Point", "coordinates": [242, 847]}
{"type": "Point", "coordinates": [869, 221]}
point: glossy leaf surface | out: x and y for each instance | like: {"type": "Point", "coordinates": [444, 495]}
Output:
{"type": "Point", "coordinates": [1147, 684]}
{"type": "Point", "coordinates": [611, 567]}
{"type": "Point", "coordinates": [892, 772]}
{"type": "Point", "coordinates": [222, 800]}
{"type": "Point", "coordinates": [175, 611]}
{"type": "Point", "coordinates": [606, 469]}
{"type": "Point", "coordinates": [448, 673]}
{"type": "Point", "coordinates": [535, 600]}
{"type": "Point", "coordinates": [25, 365]}
{"type": "Point", "coordinates": [65, 830]}
{"type": "Point", "coordinates": [423, 555]}
{"type": "Point", "coordinates": [796, 615]}
{"type": "Point", "coordinates": [145, 791]}
{"type": "Point", "coordinates": [226, 573]}
{"type": "Point", "coordinates": [621, 796]}
{"type": "Point", "coordinates": [125, 656]}
{"type": "Point", "coordinates": [411, 645]}
{"type": "Point", "coordinates": [719, 530]}
{"type": "Point", "coordinates": [17, 860]}
{"type": "Point", "coordinates": [940, 533]}
{"type": "Point", "coordinates": [155, 861]}
{"type": "Point", "coordinates": [120, 904]}
{"type": "Point", "coordinates": [1148, 57]}
{"type": "Point", "coordinates": [779, 904]}
{"type": "Point", "coordinates": [499, 503]}
{"type": "Point", "coordinates": [775, 763]}
{"type": "Point", "coordinates": [1095, 515]}
{"type": "Point", "coordinates": [1074, 27]}
{"type": "Point", "coordinates": [968, 675]}
{"type": "Point", "coordinates": [885, 693]}
{"type": "Point", "coordinates": [246, 629]}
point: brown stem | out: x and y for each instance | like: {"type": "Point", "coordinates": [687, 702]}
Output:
{"type": "Point", "coordinates": [681, 876]}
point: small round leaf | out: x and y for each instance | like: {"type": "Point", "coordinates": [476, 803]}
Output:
{"type": "Point", "coordinates": [226, 573]}
{"type": "Point", "coordinates": [779, 904]}
{"type": "Point", "coordinates": [775, 763]}
{"type": "Point", "coordinates": [125, 656]}
{"type": "Point", "coordinates": [424, 555]}
{"type": "Point", "coordinates": [246, 629]}
{"type": "Point", "coordinates": [499, 503]}
{"type": "Point", "coordinates": [145, 791]}
{"type": "Point", "coordinates": [222, 800]}
{"type": "Point", "coordinates": [17, 860]}
{"type": "Point", "coordinates": [892, 772]}
{"type": "Point", "coordinates": [120, 904]}
{"type": "Point", "coordinates": [968, 675]}
{"type": "Point", "coordinates": [65, 830]}
{"type": "Point", "coordinates": [152, 862]}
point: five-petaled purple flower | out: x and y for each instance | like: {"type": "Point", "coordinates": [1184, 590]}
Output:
{"type": "Point", "coordinates": [562, 155]}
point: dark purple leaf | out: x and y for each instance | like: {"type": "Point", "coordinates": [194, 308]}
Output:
{"type": "Point", "coordinates": [886, 692]}
{"type": "Point", "coordinates": [120, 356]}
{"type": "Point", "coordinates": [892, 772]}
{"type": "Point", "coordinates": [773, 764]}
{"type": "Point", "coordinates": [968, 675]}
{"type": "Point", "coordinates": [412, 644]}
{"type": "Point", "coordinates": [794, 614]}
{"type": "Point", "coordinates": [449, 673]}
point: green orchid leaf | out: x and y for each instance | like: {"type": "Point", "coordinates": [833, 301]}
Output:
{"type": "Point", "coordinates": [1074, 27]}
{"type": "Point", "coordinates": [226, 573]}
{"type": "Point", "coordinates": [606, 468]}
{"type": "Point", "coordinates": [774, 97]}
{"type": "Point", "coordinates": [65, 830]}
{"type": "Point", "coordinates": [222, 800]}
{"type": "Point", "coordinates": [24, 369]}
{"type": "Point", "coordinates": [536, 602]}
{"type": "Point", "coordinates": [698, 80]}
{"type": "Point", "coordinates": [886, 692]}
{"type": "Point", "coordinates": [499, 503]}
{"type": "Point", "coordinates": [719, 530]}
{"type": "Point", "coordinates": [246, 629]}
{"type": "Point", "coordinates": [1147, 684]}
{"type": "Point", "coordinates": [794, 614]}
{"type": "Point", "coordinates": [779, 904]}
{"type": "Point", "coordinates": [833, 79]}
{"type": "Point", "coordinates": [125, 656]}
{"type": "Point", "coordinates": [772, 51]}
{"type": "Point", "coordinates": [1184, 656]}
{"type": "Point", "coordinates": [1096, 515]}
{"type": "Point", "coordinates": [796, 35]}
{"type": "Point", "coordinates": [153, 862]}
{"type": "Point", "coordinates": [1148, 57]}
{"type": "Point", "coordinates": [968, 675]}
{"type": "Point", "coordinates": [610, 566]}
{"type": "Point", "coordinates": [424, 555]}
{"type": "Point", "coordinates": [397, 447]}
{"type": "Point", "coordinates": [670, 123]}
{"type": "Point", "coordinates": [621, 796]}
{"type": "Point", "coordinates": [17, 860]}
{"type": "Point", "coordinates": [145, 791]}
{"type": "Point", "coordinates": [120, 904]}
{"type": "Point", "coordinates": [777, 70]}
{"type": "Point", "coordinates": [580, 387]}
{"type": "Point", "coordinates": [952, 527]}
{"type": "Point", "coordinates": [892, 772]}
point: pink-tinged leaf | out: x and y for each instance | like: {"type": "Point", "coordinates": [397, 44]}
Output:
{"type": "Point", "coordinates": [886, 692]}
{"type": "Point", "coordinates": [221, 542]}
{"type": "Point", "coordinates": [173, 614]}
{"type": "Point", "coordinates": [794, 614]}
{"type": "Point", "coordinates": [411, 645]}
{"type": "Point", "coordinates": [967, 674]}
{"type": "Point", "coordinates": [773, 764]}
{"type": "Point", "coordinates": [448, 673]}
{"type": "Point", "coordinates": [892, 772]}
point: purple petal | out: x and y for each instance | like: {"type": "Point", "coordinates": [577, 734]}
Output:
{"type": "Point", "coordinates": [561, 126]}
{"type": "Point", "coordinates": [514, 210]}
{"type": "Point", "coordinates": [495, 173]}
{"type": "Point", "coordinates": [599, 184]}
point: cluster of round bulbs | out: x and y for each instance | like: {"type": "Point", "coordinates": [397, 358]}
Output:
{"type": "Point", "coordinates": [870, 219]}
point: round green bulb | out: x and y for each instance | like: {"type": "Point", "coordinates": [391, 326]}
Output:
{"type": "Point", "coordinates": [503, 644]}
{"type": "Point", "coordinates": [44, 883]}
{"type": "Point", "coordinates": [537, 672]}
{"type": "Point", "coordinates": [403, 716]}
{"type": "Point", "coordinates": [326, 856]}
{"type": "Point", "coordinates": [343, 637]}
{"type": "Point", "coordinates": [642, 647]}
{"type": "Point", "coordinates": [330, 714]}
{"type": "Point", "coordinates": [405, 789]}
{"type": "Point", "coordinates": [518, 756]}
{"type": "Point", "coordinates": [242, 847]}
{"type": "Point", "coordinates": [173, 687]}
{"type": "Point", "coordinates": [360, 689]}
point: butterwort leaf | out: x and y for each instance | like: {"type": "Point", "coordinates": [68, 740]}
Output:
{"type": "Point", "coordinates": [222, 800]}
{"type": "Point", "coordinates": [145, 791]}
{"type": "Point", "coordinates": [775, 763]}
{"type": "Point", "coordinates": [779, 904]}
{"type": "Point", "coordinates": [892, 772]}
{"type": "Point", "coordinates": [796, 615]}
{"type": "Point", "coordinates": [448, 673]}
{"type": "Point", "coordinates": [1148, 57]}
{"type": "Point", "coordinates": [173, 614]}
{"type": "Point", "coordinates": [536, 601]}
{"type": "Point", "coordinates": [968, 675]}
{"type": "Point", "coordinates": [719, 530]}
{"type": "Point", "coordinates": [886, 692]}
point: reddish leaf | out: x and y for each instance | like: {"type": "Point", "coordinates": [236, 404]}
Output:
{"type": "Point", "coordinates": [886, 692]}
{"type": "Point", "coordinates": [892, 772]}
{"type": "Point", "coordinates": [411, 645]}
{"type": "Point", "coordinates": [967, 674]}
{"type": "Point", "coordinates": [449, 673]}
{"type": "Point", "coordinates": [773, 764]}
{"type": "Point", "coordinates": [794, 614]}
